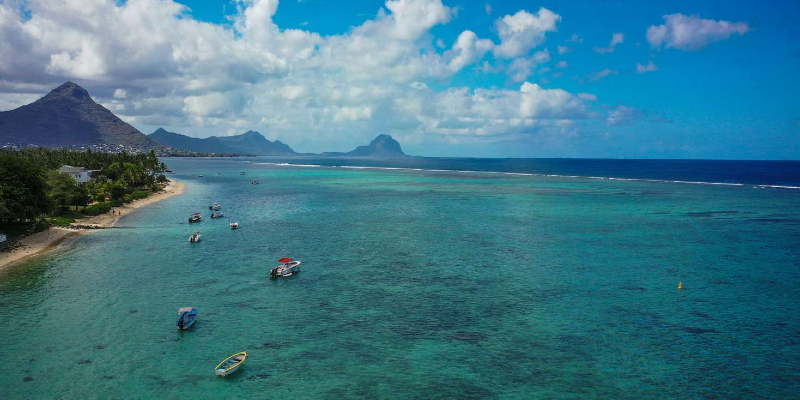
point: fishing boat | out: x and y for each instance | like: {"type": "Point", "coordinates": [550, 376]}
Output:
{"type": "Point", "coordinates": [215, 207]}
{"type": "Point", "coordinates": [255, 183]}
{"type": "Point", "coordinates": [288, 268]}
{"type": "Point", "coordinates": [217, 214]}
{"type": "Point", "coordinates": [230, 364]}
{"type": "Point", "coordinates": [195, 237]}
{"type": "Point", "coordinates": [186, 317]}
{"type": "Point", "coordinates": [234, 225]}
{"type": "Point", "coordinates": [195, 218]}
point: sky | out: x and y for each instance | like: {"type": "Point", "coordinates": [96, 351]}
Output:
{"type": "Point", "coordinates": [600, 79]}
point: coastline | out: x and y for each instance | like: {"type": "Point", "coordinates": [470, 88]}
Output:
{"type": "Point", "coordinates": [56, 237]}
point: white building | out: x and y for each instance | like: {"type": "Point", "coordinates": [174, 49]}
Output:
{"type": "Point", "coordinates": [80, 174]}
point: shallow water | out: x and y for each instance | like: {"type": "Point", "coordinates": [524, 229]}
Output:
{"type": "Point", "coordinates": [416, 284]}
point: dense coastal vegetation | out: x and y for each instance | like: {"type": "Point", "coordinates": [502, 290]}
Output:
{"type": "Point", "coordinates": [34, 194]}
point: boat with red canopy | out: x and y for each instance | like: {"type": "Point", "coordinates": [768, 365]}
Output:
{"type": "Point", "coordinates": [195, 218]}
{"type": "Point", "coordinates": [288, 268]}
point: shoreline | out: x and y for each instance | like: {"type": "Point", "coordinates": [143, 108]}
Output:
{"type": "Point", "coordinates": [53, 238]}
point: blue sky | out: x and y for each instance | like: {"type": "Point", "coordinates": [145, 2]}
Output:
{"type": "Point", "coordinates": [532, 79]}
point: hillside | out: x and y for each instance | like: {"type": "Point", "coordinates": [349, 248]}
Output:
{"type": "Point", "coordinates": [67, 116]}
{"type": "Point", "coordinates": [249, 142]}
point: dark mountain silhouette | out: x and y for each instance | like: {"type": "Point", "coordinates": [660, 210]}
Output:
{"type": "Point", "coordinates": [68, 116]}
{"type": "Point", "coordinates": [249, 142]}
{"type": "Point", "coordinates": [383, 146]}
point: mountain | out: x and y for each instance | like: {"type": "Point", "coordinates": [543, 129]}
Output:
{"type": "Point", "coordinates": [183, 142]}
{"type": "Point", "coordinates": [252, 142]}
{"type": "Point", "coordinates": [67, 116]}
{"type": "Point", "coordinates": [249, 142]}
{"type": "Point", "coordinates": [383, 146]}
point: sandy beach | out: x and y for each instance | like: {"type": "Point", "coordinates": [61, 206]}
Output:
{"type": "Point", "coordinates": [56, 237]}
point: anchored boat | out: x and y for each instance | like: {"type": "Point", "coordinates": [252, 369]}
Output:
{"type": "Point", "coordinates": [195, 218]}
{"type": "Point", "coordinates": [217, 214]}
{"type": "Point", "coordinates": [230, 364]}
{"type": "Point", "coordinates": [215, 207]}
{"type": "Point", "coordinates": [194, 238]}
{"type": "Point", "coordinates": [234, 225]}
{"type": "Point", "coordinates": [288, 268]}
{"type": "Point", "coordinates": [186, 317]}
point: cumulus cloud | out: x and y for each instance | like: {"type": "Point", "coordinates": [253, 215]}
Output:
{"type": "Point", "coordinates": [616, 39]}
{"type": "Point", "coordinates": [649, 67]}
{"type": "Point", "coordinates": [597, 75]}
{"type": "Point", "coordinates": [692, 33]}
{"type": "Point", "coordinates": [521, 32]}
{"type": "Point", "coordinates": [153, 64]}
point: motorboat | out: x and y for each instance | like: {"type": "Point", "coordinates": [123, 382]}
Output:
{"type": "Point", "coordinates": [215, 207]}
{"type": "Point", "coordinates": [241, 173]}
{"type": "Point", "coordinates": [217, 214]}
{"type": "Point", "coordinates": [186, 317]}
{"type": "Point", "coordinates": [195, 237]}
{"type": "Point", "coordinates": [199, 175]}
{"type": "Point", "coordinates": [288, 268]}
{"type": "Point", "coordinates": [255, 183]}
{"type": "Point", "coordinates": [195, 218]}
{"type": "Point", "coordinates": [230, 364]}
{"type": "Point", "coordinates": [234, 225]}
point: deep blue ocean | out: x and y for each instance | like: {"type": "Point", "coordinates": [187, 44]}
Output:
{"type": "Point", "coordinates": [426, 279]}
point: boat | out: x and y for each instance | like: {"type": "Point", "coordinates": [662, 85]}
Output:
{"type": "Point", "coordinates": [186, 317]}
{"type": "Point", "coordinates": [241, 173]}
{"type": "Point", "coordinates": [215, 207]}
{"type": "Point", "coordinates": [255, 183]}
{"type": "Point", "coordinates": [230, 364]}
{"type": "Point", "coordinates": [234, 225]}
{"type": "Point", "coordinates": [288, 268]}
{"type": "Point", "coordinates": [199, 175]}
{"type": "Point", "coordinates": [217, 214]}
{"type": "Point", "coordinates": [195, 218]}
{"type": "Point", "coordinates": [195, 237]}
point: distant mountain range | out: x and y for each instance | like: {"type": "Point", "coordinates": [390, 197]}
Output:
{"type": "Point", "coordinates": [249, 142]}
{"type": "Point", "coordinates": [67, 116]}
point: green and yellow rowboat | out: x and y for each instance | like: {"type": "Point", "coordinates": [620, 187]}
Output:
{"type": "Point", "coordinates": [231, 364]}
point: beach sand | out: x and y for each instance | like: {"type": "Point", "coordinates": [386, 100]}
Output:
{"type": "Point", "coordinates": [58, 237]}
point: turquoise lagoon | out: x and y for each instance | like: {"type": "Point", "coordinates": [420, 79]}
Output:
{"type": "Point", "coordinates": [418, 285]}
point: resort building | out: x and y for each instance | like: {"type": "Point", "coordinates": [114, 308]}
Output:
{"type": "Point", "coordinates": [80, 174]}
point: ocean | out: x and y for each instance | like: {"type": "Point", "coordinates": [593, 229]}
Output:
{"type": "Point", "coordinates": [427, 279]}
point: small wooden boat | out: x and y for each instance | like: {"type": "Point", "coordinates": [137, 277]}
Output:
{"type": "Point", "coordinates": [230, 364]}
{"type": "Point", "coordinates": [234, 225]}
{"type": "Point", "coordinates": [195, 218]}
{"type": "Point", "coordinates": [186, 317]}
{"type": "Point", "coordinates": [194, 238]}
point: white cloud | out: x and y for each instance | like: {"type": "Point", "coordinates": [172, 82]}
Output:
{"type": "Point", "coordinates": [649, 67]}
{"type": "Point", "coordinates": [521, 32]}
{"type": "Point", "coordinates": [562, 64]}
{"type": "Point", "coordinates": [692, 33]}
{"type": "Point", "coordinates": [622, 115]}
{"type": "Point", "coordinates": [563, 49]}
{"type": "Point", "coordinates": [575, 39]}
{"type": "Point", "coordinates": [596, 76]}
{"type": "Point", "coordinates": [616, 39]}
{"type": "Point", "coordinates": [488, 9]}
{"type": "Point", "coordinates": [316, 92]}
{"type": "Point", "coordinates": [467, 49]}
{"type": "Point", "coordinates": [587, 96]}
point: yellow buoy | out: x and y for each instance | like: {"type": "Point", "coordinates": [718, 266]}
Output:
{"type": "Point", "coordinates": [680, 285]}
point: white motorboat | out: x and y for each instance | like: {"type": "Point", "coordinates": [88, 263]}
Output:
{"type": "Point", "coordinates": [195, 218]}
{"type": "Point", "coordinates": [234, 225]}
{"type": "Point", "coordinates": [194, 238]}
{"type": "Point", "coordinates": [288, 268]}
{"type": "Point", "coordinates": [215, 207]}
{"type": "Point", "coordinates": [217, 214]}
{"type": "Point", "coordinates": [255, 182]}
{"type": "Point", "coordinates": [241, 173]}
